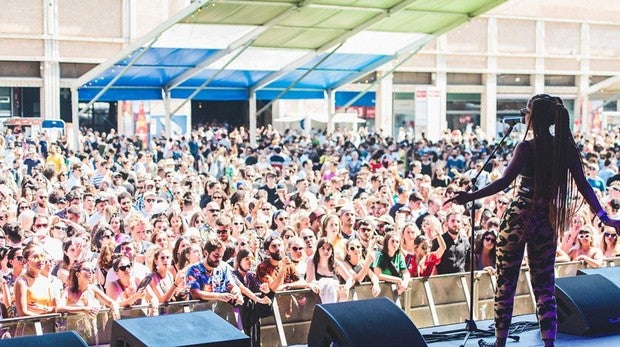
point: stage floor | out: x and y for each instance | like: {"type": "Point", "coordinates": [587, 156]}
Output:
{"type": "Point", "coordinates": [527, 338]}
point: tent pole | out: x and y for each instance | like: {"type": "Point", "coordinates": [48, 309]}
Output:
{"type": "Point", "coordinates": [75, 119]}
{"type": "Point", "coordinates": [210, 79]}
{"type": "Point", "coordinates": [331, 109]}
{"type": "Point", "coordinates": [298, 80]}
{"type": "Point", "coordinates": [116, 78]}
{"type": "Point", "coordinates": [252, 108]}
{"type": "Point", "coordinates": [167, 115]}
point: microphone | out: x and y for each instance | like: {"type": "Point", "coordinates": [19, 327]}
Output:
{"type": "Point", "coordinates": [512, 121]}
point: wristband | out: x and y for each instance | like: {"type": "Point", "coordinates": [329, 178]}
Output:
{"type": "Point", "coordinates": [602, 215]}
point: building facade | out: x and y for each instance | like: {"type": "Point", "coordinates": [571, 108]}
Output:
{"type": "Point", "coordinates": [475, 74]}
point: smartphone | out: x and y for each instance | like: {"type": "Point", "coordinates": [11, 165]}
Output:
{"type": "Point", "coordinates": [145, 282]}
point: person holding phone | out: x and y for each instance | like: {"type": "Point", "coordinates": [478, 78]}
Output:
{"type": "Point", "coordinates": [128, 290]}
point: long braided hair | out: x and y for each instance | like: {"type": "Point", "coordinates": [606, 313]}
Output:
{"type": "Point", "coordinates": [554, 148]}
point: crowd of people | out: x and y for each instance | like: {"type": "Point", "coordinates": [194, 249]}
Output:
{"type": "Point", "coordinates": [208, 216]}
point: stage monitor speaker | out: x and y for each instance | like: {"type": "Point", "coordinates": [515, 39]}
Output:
{"type": "Point", "coordinates": [587, 305]}
{"type": "Point", "coordinates": [64, 339]}
{"type": "Point", "coordinates": [612, 273]}
{"type": "Point", "coordinates": [203, 328]}
{"type": "Point", "coordinates": [373, 322]}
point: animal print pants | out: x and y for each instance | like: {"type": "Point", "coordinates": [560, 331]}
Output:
{"type": "Point", "coordinates": [517, 231]}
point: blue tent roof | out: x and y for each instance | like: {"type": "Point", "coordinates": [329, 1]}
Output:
{"type": "Point", "coordinates": [228, 49]}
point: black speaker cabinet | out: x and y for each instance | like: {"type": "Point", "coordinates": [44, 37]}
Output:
{"type": "Point", "coordinates": [64, 339]}
{"type": "Point", "coordinates": [612, 273]}
{"type": "Point", "coordinates": [587, 305]}
{"type": "Point", "coordinates": [373, 322]}
{"type": "Point", "coordinates": [203, 328]}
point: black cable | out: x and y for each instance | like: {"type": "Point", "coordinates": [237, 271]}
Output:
{"type": "Point", "coordinates": [515, 329]}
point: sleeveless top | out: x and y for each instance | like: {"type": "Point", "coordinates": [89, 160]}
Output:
{"type": "Point", "coordinates": [526, 187]}
{"type": "Point", "coordinates": [38, 294]}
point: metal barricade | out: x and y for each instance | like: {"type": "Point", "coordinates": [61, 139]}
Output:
{"type": "Point", "coordinates": [28, 326]}
{"type": "Point", "coordinates": [293, 312]}
{"type": "Point", "coordinates": [568, 269]}
{"type": "Point", "coordinates": [615, 261]}
{"type": "Point", "coordinates": [98, 330]}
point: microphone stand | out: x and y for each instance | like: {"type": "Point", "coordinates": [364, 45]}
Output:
{"type": "Point", "coordinates": [470, 324]}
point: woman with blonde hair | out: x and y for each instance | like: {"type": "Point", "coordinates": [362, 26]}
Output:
{"type": "Point", "coordinates": [609, 244]}
{"type": "Point", "coordinates": [585, 249]}
{"type": "Point", "coordinates": [331, 229]}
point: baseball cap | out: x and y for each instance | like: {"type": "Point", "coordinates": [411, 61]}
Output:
{"type": "Point", "coordinates": [314, 215]}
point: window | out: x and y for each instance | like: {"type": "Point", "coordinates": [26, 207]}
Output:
{"type": "Point", "coordinates": [412, 78]}
{"type": "Point", "coordinates": [464, 79]}
{"type": "Point", "coordinates": [560, 80]}
{"type": "Point", "coordinates": [513, 80]}
{"type": "Point", "coordinates": [463, 110]}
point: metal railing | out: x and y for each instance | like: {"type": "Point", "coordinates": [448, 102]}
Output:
{"type": "Point", "coordinates": [432, 301]}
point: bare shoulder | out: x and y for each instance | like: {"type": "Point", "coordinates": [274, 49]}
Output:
{"type": "Point", "coordinates": [526, 147]}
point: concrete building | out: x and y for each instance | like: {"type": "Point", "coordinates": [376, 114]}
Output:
{"type": "Point", "coordinates": [474, 74]}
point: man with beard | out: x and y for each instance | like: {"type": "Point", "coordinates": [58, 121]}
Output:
{"type": "Point", "coordinates": [126, 210]}
{"type": "Point", "coordinates": [212, 279]}
{"type": "Point", "coordinates": [455, 258]}
{"type": "Point", "coordinates": [278, 271]}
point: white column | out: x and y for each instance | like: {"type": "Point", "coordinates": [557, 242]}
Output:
{"type": "Point", "coordinates": [50, 68]}
{"type": "Point", "coordinates": [75, 119]}
{"type": "Point", "coordinates": [488, 111]}
{"type": "Point", "coordinates": [539, 77]}
{"type": "Point", "coordinates": [167, 124]}
{"type": "Point", "coordinates": [488, 102]}
{"type": "Point", "coordinates": [584, 79]}
{"type": "Point", "coordinates": [331, 109]}
{"type": "Point", "coordinates": [252, 111]}
{"type": "Point", "coordinates": [441, 82]}
{"type": "Point", "coordinates": [384, 118]}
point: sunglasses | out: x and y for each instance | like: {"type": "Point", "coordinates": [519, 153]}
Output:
{"type": "Point", "coordinates": [57, 227]}
{"type": "Point", "coordinates": [352, 248]}
{"type": "Point", "coordinates": [584, 236]}
{"type": "Point", "coordinates": [266, 209]}
{"type": "Point", "coordinates": [125, 267]}
{"type": "Point", "coordinates": [20, 258]}
{"type": "Point", "coordinates": [107, 236]}
{"type": "Point", "coordinates": [613, 236]}
{"type": "Point", "coordinates": [489, 239]}
{"type": "Point", "coordinates": [223, 231]}
{"type": "Point", "coordinates": [309, 237]}
{"type": "Point", "coordinates": [297, 249]}
{"type": "Point", "coordinates": [502, 202]}
{"type": "Point", "coordinates": [88, 271]}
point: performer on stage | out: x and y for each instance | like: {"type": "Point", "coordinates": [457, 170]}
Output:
{"type": "Point", "coordinates": [547, 163]}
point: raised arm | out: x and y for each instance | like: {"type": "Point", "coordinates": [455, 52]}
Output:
{"type": "Point", "coordinates": [442, 246]}
{"type": "Point", "coordinates": [522, 154]}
